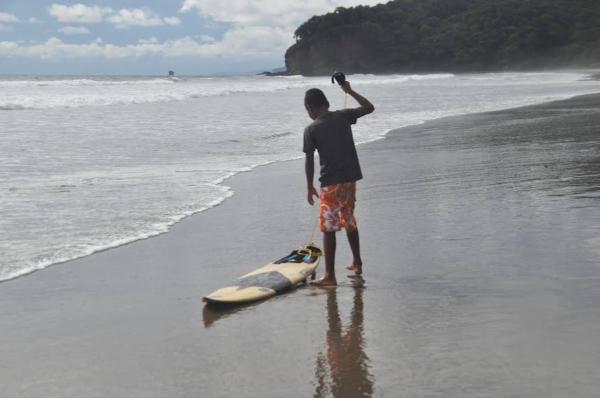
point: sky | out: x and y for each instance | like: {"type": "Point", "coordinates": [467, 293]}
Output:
{"type": "Point", "coordinates": [132, 37]}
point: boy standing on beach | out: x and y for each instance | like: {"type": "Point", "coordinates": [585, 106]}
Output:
{"type": "Point", "coordinates": [331, 135]}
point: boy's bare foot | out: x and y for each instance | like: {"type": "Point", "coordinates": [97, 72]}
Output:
{"type": "Point", "coordinates": [356, 268]}
{"type": "Point", "coordinates": [324, 282]}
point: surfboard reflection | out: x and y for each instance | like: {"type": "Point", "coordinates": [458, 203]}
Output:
{"type": "Point", "coordinates": [343, 370]}
{"type": "Point", "coordinates": [213, 313]}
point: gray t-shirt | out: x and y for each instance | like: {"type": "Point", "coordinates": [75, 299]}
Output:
{"type": "Point", "coordinates": [331, 135]}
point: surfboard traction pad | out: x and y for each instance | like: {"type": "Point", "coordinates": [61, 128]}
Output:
{"type": "Point", "coordinates": [271, 279]}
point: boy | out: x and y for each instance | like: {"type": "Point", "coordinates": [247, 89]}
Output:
{"type": "Point", "coordinates": [331, 135]}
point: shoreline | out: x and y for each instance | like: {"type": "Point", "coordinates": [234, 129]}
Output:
{"type": "Point", "coordinates": [230, 192]}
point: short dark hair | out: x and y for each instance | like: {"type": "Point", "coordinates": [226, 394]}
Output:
{"type": "Point", "coordinates": [315, 98]}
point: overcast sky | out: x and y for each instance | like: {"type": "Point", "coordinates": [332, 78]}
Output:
{"type": "Point", "coordinates": [151, 36]}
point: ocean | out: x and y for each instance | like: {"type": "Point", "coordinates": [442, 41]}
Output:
{"type": "Point", "coordinates": [88, 163]}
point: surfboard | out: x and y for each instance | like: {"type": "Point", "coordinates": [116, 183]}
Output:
{"type": "Point", "coordinates": [270, 279]}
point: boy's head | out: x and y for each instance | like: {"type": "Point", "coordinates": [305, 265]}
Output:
{"type": "Point", "coordinates": [315, 102]}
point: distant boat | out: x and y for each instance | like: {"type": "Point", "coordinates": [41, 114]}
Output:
{"type": "Point", "coordinates": [172, 76]}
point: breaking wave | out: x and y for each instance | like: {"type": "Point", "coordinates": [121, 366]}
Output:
{"type": "Point", "coordinates": [40, 93]}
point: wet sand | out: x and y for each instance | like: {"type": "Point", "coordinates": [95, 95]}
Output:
{"type": "Point", "coordinates": [480, 240]}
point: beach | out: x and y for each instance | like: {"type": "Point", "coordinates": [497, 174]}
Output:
{"type": "Point", "coordinates": [480, 241]}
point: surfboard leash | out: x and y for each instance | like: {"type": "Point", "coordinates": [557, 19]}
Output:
{"type": "Point", "coordinates": [340, 78]}
{"type": "Point", "coordinates": [314, 231]}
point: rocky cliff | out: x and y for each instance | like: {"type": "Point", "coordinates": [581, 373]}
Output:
{"type": "Point", "coordinates": [449, 35]}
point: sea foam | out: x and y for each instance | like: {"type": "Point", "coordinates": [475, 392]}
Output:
{"type": "Point", "coordinates": [37, 93]}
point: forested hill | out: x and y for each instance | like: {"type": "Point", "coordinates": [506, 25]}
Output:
{"type": "Point", "coordinates": [449, 35]}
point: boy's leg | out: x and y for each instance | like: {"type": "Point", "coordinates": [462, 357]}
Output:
{"type": "Point", "coordinates": [354, 241]}
{"type": "Point", "coordinates": [329, 244]}
{"type": "Point", "coordinates": [329, 218]}
{"type": "Point", "coordinates": [351, 227]}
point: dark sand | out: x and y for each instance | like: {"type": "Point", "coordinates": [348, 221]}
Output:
{"type": "Point", "coordinates": [481, 243]}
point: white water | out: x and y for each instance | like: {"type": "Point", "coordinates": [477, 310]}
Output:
{"type": "Point", "coordinates": [44, 93]}
{"type": "Point", "coordinates": [90, 163]}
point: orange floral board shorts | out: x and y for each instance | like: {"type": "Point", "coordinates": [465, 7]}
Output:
{"type": "Point", "coordinates": [336, 210]}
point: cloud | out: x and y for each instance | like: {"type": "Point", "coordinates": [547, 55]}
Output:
{"type": "Point", "coordinates": [151, 40]}
{"type": "Point", "coordinates": [207, 38]}
{"type": "Point", "coordinates": [74, 30]}
{"type": "Point", "coordinates": [135, 17]}
{"type": "Point", "coordinates": [237, 43]}
{"type": "Point", "coordinates": [250, 41]}
{"type": "Point", "coordinates": [172, 21]}
{"type": "Point", "coordinates": [55, 48]}
{"type": "Point", "coordinates": [33, 20]}
{"type": "Point", "coordinates": [123, 18]}
{"type": "Point", "coordinates": [266, 21]}
{"type": "Point", "coordinates": [8, 18]}
{"type": "Point", "coordinates": [78, 13]}
{"type": "Point", "coordinates": [267, 12]}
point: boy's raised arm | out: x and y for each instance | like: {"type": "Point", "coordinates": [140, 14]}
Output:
{"type": "Point", "coordinates": [366, 106]}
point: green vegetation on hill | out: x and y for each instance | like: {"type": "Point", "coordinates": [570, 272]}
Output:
{"type": "Point", "coordinates": [449, 35]}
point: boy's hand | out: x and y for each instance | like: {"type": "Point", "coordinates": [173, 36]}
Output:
{"type": "Point", "coordinates": [312, 192]}
{"type": "Point", "coordinates": [346, 87]}
{"type": "Point", "coordinates": [365, 108]}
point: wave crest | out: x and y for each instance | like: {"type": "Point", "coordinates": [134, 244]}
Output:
{"type": "Point", "coordinates": [46, 93]}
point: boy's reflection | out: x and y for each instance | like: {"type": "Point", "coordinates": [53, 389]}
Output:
{"type": "Point", "coordinates": [344, 371]}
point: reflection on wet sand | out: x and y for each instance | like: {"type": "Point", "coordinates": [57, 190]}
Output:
{"type": "Point", "coordinates": [343, 371]}
{"type": "Point", "coordinates": [215, 312]}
